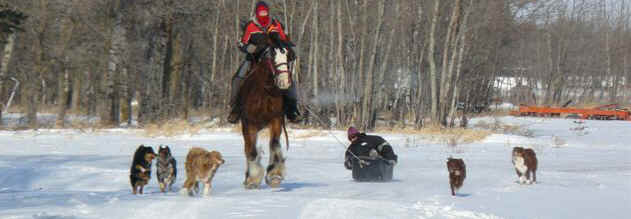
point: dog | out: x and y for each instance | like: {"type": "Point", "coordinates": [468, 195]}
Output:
{"type": "Point", "coordinates": [457, 173]}
{"type": "Point", "coordinates": [166, 169]}
{"type": "Point", "coordinates": [525, 162]}
{"type": "Point", "coordinates": [201, 165]}
{"type": "Point", "coordinates": [141, 168]}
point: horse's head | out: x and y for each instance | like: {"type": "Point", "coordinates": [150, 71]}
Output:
{"type": "Point", "coordinates": [275, 57]}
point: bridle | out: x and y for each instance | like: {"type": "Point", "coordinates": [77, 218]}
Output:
{"type": "Point", "coordinates": [274, 67]}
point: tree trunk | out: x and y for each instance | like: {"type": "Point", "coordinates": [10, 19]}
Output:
{"type": "Point", "coordinates": [6, 59]}
{"type": "Point", "coordinates": [339, 71]}
{"type": "Point", "coordinates": [297, 64]}
{"type": "Point", "coordinates": [420, 88]}
{"type": "Point", "coordinates": [126, 103]}
{"type": "Point", "coordinates": [213, 65]}
{"type": "Point", "coordinates": [175, 94]}
{"type": "Point", "coordinates": [627, 80]}
{"type": "Point", "coordinates": [608, 74]}
{"type": "Point", "coordinates": [287, 26]}
{"type": "Point", "coordinates": [33, 83]}
{"type": "Point", "coordinates": [91, 92]}
{"type": "Point", "coordinates": [448, 63]}
{"type": "Point", "coordinates": [386, 56]}
{"type": "Point", "coordinates": [314, 56]}
{"type": "Point", "coordinates": [63, 97]}
{"type": "Point", "coordinates": [432, 63]}
{"type": "Point", "coordinates": [546, 99]}
{"type": "Point", "coordinates": [149, 102]}
{"type": "Point", "coordinates": [420, 95]}
{"type": "Point", "coordinates": [168, 25]}
{"type": "Point", "coordinates": [368, 103]}
{"type": "Point", "coordinates": [461, 50]}
{"type": "Point", "coordinates": [77, 79]}
{"type": "Point", "coordinates": [360, 66]}
{"type": "Point", "coordinates": [111, 114]}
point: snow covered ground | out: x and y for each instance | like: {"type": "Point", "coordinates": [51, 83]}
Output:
{"type": "Point", "coordinates": [65, 174]}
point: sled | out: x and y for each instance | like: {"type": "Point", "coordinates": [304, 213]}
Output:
{"type": "Point", "coordinates": [372, 170]}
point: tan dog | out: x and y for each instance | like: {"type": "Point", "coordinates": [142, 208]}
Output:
{"type": "Point", "coordinates": [201, 165]}
{"type": "Point", "coordinates": [525, 162]}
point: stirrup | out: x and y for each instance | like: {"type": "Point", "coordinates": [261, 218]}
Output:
{"type": "Point", "coordinates": [294, 117]}
{"type": "Point", "coordinates": [234, 116]}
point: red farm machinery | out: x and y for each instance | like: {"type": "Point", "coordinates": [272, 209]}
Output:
{"type": "Point", "coordinates": [604, 112]}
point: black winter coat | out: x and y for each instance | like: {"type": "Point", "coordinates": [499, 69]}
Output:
{"type": "Point", "coordinates": [362, 146]}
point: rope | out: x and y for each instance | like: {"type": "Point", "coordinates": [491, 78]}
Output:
{"type": "Point", "coordinates": [286, 136]}
{"type": "Point", "coordinates": [331, 134]}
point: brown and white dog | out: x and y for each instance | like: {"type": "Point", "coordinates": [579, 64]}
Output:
{"type": "Point", "coordinates": [457, 173]}
{"type": "Point", "coordinates": [140, 171]}
{"type": "Point", "coordinates": [525, 162]}
{"type": "Point", "coordinates": [200, 165]}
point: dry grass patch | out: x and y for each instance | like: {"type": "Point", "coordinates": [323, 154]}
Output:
{"type": "Point", "coordinates": [86, 126]}
{"type": "Point", "coordinates": [171, 128]}
{"type": "Point", "coordinates": [455, 136]}
{"type": "Point", "coordinates": [451, 136]}
{"type": "Point", "coordinates": [497, 126]}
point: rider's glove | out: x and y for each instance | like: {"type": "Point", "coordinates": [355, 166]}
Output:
{"type": "Point", "coordinates": [291, 54]}
{"type": "Point", "coordinates": [250, 48]}
{"type": "Point", "coordinates": [348, 164]}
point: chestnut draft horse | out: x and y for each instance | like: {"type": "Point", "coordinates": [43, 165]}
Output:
{"type": "Point", "coordinates": [261, 101]}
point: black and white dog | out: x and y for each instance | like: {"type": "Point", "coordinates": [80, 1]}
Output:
{"type": "Point", "coordinates": [166, 168]}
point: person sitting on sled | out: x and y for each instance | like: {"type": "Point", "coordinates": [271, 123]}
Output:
{"type": "Point", "coordinates": [369, 147]}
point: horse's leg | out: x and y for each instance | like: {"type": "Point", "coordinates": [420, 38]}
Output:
{"type": "Point", "coordinates": [254, 170]}
{"type": "Point", "coordinates": [276, 165]}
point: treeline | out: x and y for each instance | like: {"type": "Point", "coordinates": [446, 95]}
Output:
{"type": "Point", "coordinates": [408, 62]}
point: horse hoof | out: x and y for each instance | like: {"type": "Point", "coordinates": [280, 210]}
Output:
{"type": "Point", "coordinates": [251, 186]}
{"type": "Point", "coordinates": [273, 181]}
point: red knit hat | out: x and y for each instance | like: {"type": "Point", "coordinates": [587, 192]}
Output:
{"type": "Point", "coordinates": [352, 132]}
{"type": "Point", "coordinates": [263, 20]}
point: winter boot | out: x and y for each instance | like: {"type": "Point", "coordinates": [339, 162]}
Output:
{"type": "Point", "coordinates": [291, 105]}
{"type": "Point", "coordinates": [291, 110]}
{"type": "Point", "coordinates": [235, 110]}
{"type": "Point", "coordinates": [234, 113]}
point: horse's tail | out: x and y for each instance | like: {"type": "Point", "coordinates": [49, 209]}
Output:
{"type": "Point", "coordinates": [285, 131]}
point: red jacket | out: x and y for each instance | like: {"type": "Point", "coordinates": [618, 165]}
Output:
{"type": "Point", "coordinates": [254, 28]}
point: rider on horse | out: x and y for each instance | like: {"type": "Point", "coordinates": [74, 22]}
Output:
{"type": "Point", "coordinates": [251, 44]}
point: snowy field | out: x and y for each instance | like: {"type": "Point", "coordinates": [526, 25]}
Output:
{"type": "Point", "coordinates": [63, 174]}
